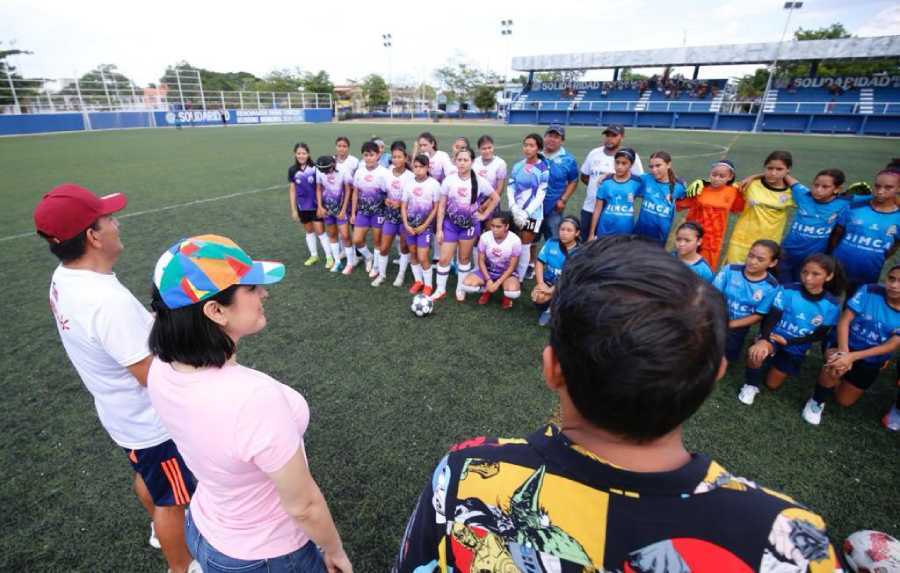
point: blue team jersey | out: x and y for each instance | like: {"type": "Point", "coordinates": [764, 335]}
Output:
{"type": "Point", "coordinates": [527, 181]}
{"type": "Point", "coordinates": [657, 208]}
{"type": "Point", "coordinates": [874, 322]}
{"type": "Point", "coordinates": [385, 159]}
{"type": "Point", "coordinates": [741, 294]}
{"type": "Point", "coordinates": [801, 314]}
{"type": "Point", "coordinates": [554, 257]}
{"type": "Point", "coordinates": [868, 236]}
{"type": "Point", "coordinates": [563, 170]}
{"type": "Point", "coordinates": [617, 217]}
{"type": "Point", "coordinates": [812, 225]}
{"type": "Point", "coordinates": [701, 268]}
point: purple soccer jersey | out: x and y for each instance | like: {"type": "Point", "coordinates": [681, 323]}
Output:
{"type": "Point", "coordinates": [420, 197]}
{"type": "Point", "coordinates": [371, 189]}
{"type": "Point", "coordinates": [460, 209]}
{"type": "Point", "coordinates": [498, 256]}
{"type": "Point", "coordinates": [395, 186]}
{"type": "Point", "coordinates": [333, 187]}
{"type": "Point", "coordinates": [304, 180]}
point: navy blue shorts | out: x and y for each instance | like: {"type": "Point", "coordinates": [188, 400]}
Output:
{"type": "Point", "coordinates": [786, 362]}
{"type": "Point", "coordinates": [165, 474]}
{"type": "Point", "coordinates": [734, 343]}
{"type": "Point", "coordinates": [863, 374]}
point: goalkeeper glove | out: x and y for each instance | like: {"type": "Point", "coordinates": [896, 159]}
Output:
{"type": "Point", "coordinates": [695, 188]}
{"type": "Point", "coordinates": [859, 188]}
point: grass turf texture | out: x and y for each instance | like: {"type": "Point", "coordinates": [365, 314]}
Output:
{"type": "Point", "coordinates": [388, 392]}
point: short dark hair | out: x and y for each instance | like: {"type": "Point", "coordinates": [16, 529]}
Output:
{"type": "Point", "coordinates": [71, 249]}
{"type": "Point", "coordinates": [186, 335]}
{"type": "Point", "coordinates": [368, 147]}
{"type": "Point", "coordinates": [837, 176]}
{"type": "Point", "coordinates": [782, 156]}
{"type": "Point", "coordinates": [639, 336]}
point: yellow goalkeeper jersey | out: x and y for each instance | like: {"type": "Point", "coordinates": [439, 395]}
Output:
{"type": "Point", "coordinates": [764, 217]}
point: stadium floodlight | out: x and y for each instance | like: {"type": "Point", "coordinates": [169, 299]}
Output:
{"type": "Point", "coordinates": [506, 31]}
{"type": "Point", "coordinates": [388, 41]}
{"type": "Point", "coordinates": [790, 7]}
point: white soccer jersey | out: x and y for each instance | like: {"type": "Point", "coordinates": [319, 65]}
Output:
{"type": "Point", "coordinates": [495, 171]}
{"type": "Point", "coordinates": [348, 166]}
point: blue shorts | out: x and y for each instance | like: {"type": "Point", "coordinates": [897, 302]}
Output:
{"type": "Point", "coordinates": [164, 472]}
{"type": "Point", "coordinates": [786, 362]}
{"type": "Point", "coordinates": [552, 219]}
{"type": "Point", "coordinates": [734, 343]}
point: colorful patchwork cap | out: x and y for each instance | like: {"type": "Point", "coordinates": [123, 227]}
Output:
{"type": "Point", "coordinates": [196, 268]}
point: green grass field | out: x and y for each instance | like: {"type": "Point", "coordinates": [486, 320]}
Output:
{"type": "Point", "coordinates": [388, 392]}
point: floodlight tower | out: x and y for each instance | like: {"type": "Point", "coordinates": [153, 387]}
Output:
{"type": "Point", "coordinates": [506, 30]}
{"type": "Point", "coordinates": [388, 41]}
{"type": "Point", "coordinates": [790, 7]}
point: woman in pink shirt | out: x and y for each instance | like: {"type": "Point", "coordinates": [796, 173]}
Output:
{"type": "Point", "coordinates": [256, 507]}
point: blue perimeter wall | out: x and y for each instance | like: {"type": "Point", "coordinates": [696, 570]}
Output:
{"type": "Point", "coordinates": [78, 121]}
{"type": "Point", "coordinates": [848, 124]}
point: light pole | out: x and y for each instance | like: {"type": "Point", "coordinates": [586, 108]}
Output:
{"type": "Point", "coordinates": [388, 41]}
{"type": "Point", "coordinates": [790, 7]}
{"type": "Point", "coordinates": [506, 31]}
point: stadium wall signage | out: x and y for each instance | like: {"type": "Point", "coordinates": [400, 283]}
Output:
{"type": "Point", "coordinates": [844, 82]}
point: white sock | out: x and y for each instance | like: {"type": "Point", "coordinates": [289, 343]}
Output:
{"type": "Point", "coordinates": [442, 274]}
{"type": "Point", "coordinates": [311, 245]}
{"type": "Point", "coordinates": [512, 294]}
{"type": "Point", "coordinates": [471, 288]}
{"type": "Point", "coordinates": [417, 272]}
{"type": "Point", "coordinates": [323, 239]}
{"type": "Point", "coordinates": [382, 264]}
{"type": "Point", "coordinates": [404, 262]}
{"type": "Point", "coordinates": [427, 274]}
{"type": "Point", "coordinates": [462, 271]}
{"type": "Point", "coordinates": [523, 261]}
{"type": "Point", "coordinates": [335, 251]}
{"type": "Point", "coordinates": [365, 252]}
{"type": "Point", "coordinates": [343, 247]}
{"type": "Point", "coordinates": [351, 255]}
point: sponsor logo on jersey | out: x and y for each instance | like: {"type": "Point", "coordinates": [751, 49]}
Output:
{"type": "Point", "coordinates": [417, 191]}
{"type": "Point", "coordinates": [757, 295]}
{"type": "Point", "coordinates": [817, 320]}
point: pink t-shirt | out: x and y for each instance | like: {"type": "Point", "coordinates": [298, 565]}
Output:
{"type": "Point", "coordinates": [233, 425]}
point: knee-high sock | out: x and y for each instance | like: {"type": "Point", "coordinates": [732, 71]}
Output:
{"type": "Point", "coordinates": [427, 274]}
{"type": "Point", "coordinates": [365, 252]}
{"type": "Point", "coordinates": [471, 288]}
{"type": "Point", "coordinates": [462, 271]}
{"type": "Point", "coordinates": [524, 259]}
{"type": "Point", "coordinates": [442, 274]}
{"type": "Point", "coordinates": [417, 272]}
{"type": "Point", "coordinates": [512, 294]}
{"type": "Point", "coordinates": [404, 262]}
{"type": "Point", "coordinates": [351, 255]}
{"type": "Point", "coordinates": [323, 239]}
{"type": "Point", "coordinates": [311, 245]}
{"type": "Point", "coordinates": [382, 264]}
{"type": "Point", "coordinates": [335, 251]}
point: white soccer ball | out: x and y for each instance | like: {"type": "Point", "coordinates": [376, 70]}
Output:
{"type": "Point", "coordinates": [421, 305]}
{"type": "Point", "coordinates": [869, 551]}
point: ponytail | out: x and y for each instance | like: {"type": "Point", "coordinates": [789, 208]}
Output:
{"type": "Point", "coordinates": [472, 175]}
{"type": "Point", "coordinates": [838, 282]}
{"type": "Point", "coordinates": [670, 173]}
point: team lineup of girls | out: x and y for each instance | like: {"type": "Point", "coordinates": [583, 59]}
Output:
{"type": "Point", "coordinates": [793, 281]}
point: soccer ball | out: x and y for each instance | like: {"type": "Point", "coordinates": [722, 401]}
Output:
{"type": "Point", "coordinates": [869, 551]}
{"type": "Point", "coordinates": [421, 305]}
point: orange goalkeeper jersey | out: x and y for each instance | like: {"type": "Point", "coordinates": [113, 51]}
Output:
{"type": "Point", "coordinates": [711, 209]}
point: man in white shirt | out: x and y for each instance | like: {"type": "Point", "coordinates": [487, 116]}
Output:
{"type": "Point", "coordinates": [104, 330]}
{"type": "Point", "coordinates": [598, 163]}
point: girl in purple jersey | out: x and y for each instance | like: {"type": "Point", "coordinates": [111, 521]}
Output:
{"type": "Point", "coordinates": [332, 200]}
{"type": "Point", "coordinates": [367, 211]}
{"type": "Point", "coordinates": [466, 201]}
{"type": "Point", "coordinates": [398, 175]}
{"type": "Point", "coordinates": [499, 252]}
{"type": "Point", "coordinates": [418, 210]}
{"type": "Point", "coordinates": [439, 163]}
{"type": "Point", "coordinates": [490, 166]}
{"type": "Point", "coordinates": [302, 197]}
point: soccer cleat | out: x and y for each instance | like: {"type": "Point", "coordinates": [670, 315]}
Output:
{"type": "Point", "coordinates": [484, 298]}
{"type": "Point", "coordinates": [378, 280]}
{"type": "Point", "coordinates": [544, 319]}
{"type": "Point", "coordinates": [427, 291]}
{"type": "Point", "coordinates": [812, 412]}
{"type": "Point", "coordinates": [506, 303]}
{"type": "Point", "coordinates": [748, 394]}
{"type": "Point", "coordinates": [370, 263]}
{"type": "Point", "coordinates": [348, 269]}
{"type": "Point", "coordinates": [194, 567]}
{"type": "Point", "coordinates": [891, 420]}
{"type": "Point", "coordinates": [398, 282]}
{"type": "Point", "coordinates": [154, 540]}
{"type": "Point", "coordinates": [373, 273]}
{"type": "Point", "coordinates": [438, 295]}
{"type": "Point", "coordinates": [329, 262]}
{"type": "Point", "coordinates": [416, 287]}
{"type": "Point", "coordinates": [311, 261]}
{"type": "Point", "coordinates": [460, 295]}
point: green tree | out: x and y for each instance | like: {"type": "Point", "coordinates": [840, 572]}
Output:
{"type": "Point", "coordinates": [753, 85]}
{"type": "Point", "coordinates": [280, 81]}
{"type": "Point", "coordinates": [485, 97]}
{"type": "Point", "coordinates": [102, 85]}
{"type": "Point", "coordinates": [7, 72]}
{"type": "Point", "coordinates": [375, 91]}
{"type": "Point", "coordinates": [318, 83]}
{"type": "Point", "coordinates": [459, 81]}
{"type": "Point", "coordinates": [212, 81]}
{"type": "Point", "coordinates": [627, 75]}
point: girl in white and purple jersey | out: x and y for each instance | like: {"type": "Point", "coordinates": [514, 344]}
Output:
{"type": "Point", "coordinates": [490, 166]}
{"type": "Point", "coordinates": [398, 175]}
{"type": "Point", "coordinates": [527, 187]}
{"type": "Point", "coordinates": [345, 162]}
{"type": "Point", "coordinates": [499, 252]}
{"type": "Point", "coordinates": [333, 200]}
{"type": "Point", "coordinates": [367, 212]}
{"type": "Point", "coordinates": [418, 210]}
{"type": "Point", "coordinates": [466, 201]}
{"type": "Point", "coordinates": [439, 164]}
{"type": "Point", "coordinates": [302, 195]}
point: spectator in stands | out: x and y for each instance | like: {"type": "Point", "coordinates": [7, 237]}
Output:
{"type": "Point", "coordinates": [596, 166]}
{"type": "Point", "coordinates": [615, 468]}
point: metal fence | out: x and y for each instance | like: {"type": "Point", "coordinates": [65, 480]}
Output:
{"type": "Point", "coordinates": [111, 91]}
{"type": "Point", "coordinates": [748, 107]}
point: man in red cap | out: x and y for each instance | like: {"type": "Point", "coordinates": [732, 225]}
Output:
{"type": "Point", "coordinates": [104, 330]}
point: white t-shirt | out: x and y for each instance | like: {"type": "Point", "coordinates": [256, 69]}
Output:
{"type": "Point", "coordinates": [596, 165]}
{"type": "Point", "coordinates": [440, 165]}
{"type": "Point", "coordinates": [348, 166]}
{"type": "Point", "coordinates": [104, 329]}
{"type": "Point", "coordinates": [494, 172]}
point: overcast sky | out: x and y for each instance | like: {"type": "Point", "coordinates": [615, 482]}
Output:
{"type": "Point", "coordinates": [143, 38]}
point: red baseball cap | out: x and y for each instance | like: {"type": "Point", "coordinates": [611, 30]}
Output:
{"type": "Point", "coordinates": [70, 209]}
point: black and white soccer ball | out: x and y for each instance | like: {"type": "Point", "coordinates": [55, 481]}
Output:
{"type": "Point", "coordinates": [869, 551]}
{"type": "Point", "coordinates": [421, 305]}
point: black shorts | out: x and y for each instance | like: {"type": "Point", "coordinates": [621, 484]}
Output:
{"type": "Point", "coordinates": [863, 374]}
{"type": "Point", "coordinates": [165, 474]}
{"type": "Point", "coordinates": [786, 362]}
{"type": "Point", "coordinates": [309, 216]}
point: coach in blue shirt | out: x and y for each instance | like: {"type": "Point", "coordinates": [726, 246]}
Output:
{"type": "Point", "coordinates": [563, 179]}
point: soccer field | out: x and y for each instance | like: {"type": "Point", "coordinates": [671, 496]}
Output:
{"type": "Point", "coordinates": [388, 392]}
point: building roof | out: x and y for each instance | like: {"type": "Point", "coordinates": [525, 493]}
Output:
{"type": "Point", "coordinates": [722, 55]}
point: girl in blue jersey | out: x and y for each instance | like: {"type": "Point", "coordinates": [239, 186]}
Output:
{"type": "Point", "coordinates": [688, 240]}
{"type": "Point", "coordinates": [868, 333]}
{"type": "Point", "coordinates": [614, 207]}
{"type": "Point", "coordinates": [549, 265]}
{"type": "Point", "coordinates": [745, 287]}
{"type": "Point", "coordinates": [302, 192]}
{"type": "Point", "coordinates": [866, 234]}
{"type": "Point", "coordinates": [795, 316]}
{"type": "Point", "coordinates": [660, 191]}
{"type": "Point", "coordinates": [525, 194]}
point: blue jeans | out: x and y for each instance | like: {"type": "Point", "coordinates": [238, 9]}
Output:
{"type": "Point", "coordinates": [586, 217]}
{"type": "Point", "coordinates": [306, 559]}
{"type": "Point", "coordinates": [552, 218]}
